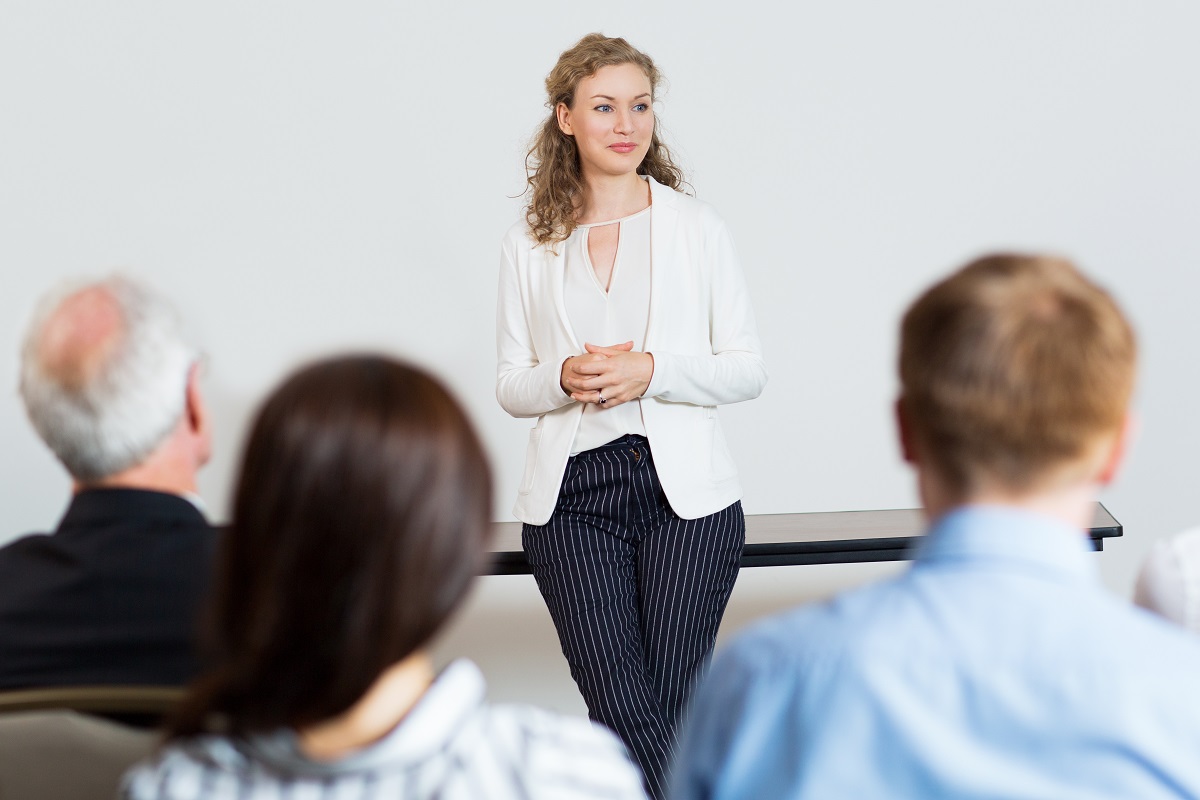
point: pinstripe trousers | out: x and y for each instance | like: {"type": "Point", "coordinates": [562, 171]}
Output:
{"type": "Point", "coordinates": [635, 592]}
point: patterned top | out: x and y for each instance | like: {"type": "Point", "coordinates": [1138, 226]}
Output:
{"type": "Point", "coordinates": [451, 746]}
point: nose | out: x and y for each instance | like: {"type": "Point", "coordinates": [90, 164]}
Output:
{"type": "Point", "coordinates": [624, 122]}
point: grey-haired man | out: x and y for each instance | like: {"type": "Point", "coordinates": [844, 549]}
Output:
{"type": "Point", "coordinates": [111, 596]}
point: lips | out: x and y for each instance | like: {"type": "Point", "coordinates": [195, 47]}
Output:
{"type": "Point", "coordinates": [623, 147]}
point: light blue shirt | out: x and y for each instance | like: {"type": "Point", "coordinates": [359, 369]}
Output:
{"type": "Point", "coordinates": [996, 667]}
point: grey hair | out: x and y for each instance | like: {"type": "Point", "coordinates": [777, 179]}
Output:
{"type": "Point", "coordinates": [123, 412]}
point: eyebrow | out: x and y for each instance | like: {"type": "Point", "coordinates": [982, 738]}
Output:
{"type": "Point", "coordinates": [606, 97]}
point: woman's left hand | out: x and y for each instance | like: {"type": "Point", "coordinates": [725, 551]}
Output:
{"type": "Point", "coordinates": [619, 377]}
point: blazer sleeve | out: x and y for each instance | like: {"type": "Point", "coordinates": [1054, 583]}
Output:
{"type": "Point", "coordinates": [525, 386]}
{"type": "Point", "coordinates": [735, 370]}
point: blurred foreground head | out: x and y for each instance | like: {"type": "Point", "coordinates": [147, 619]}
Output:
{"type": "Point", "coordinates": [361, 516]}
{"type": "Point", "coordinates": [1016, 374]}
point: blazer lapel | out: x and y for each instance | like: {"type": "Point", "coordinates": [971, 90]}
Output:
{"type": "Point", "coordinates": [663, 220]}
{"type": "Point", "coordinates": [554, 272]}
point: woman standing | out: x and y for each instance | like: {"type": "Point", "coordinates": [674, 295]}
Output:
{"type": "Point", "coordinates": [623, 322]}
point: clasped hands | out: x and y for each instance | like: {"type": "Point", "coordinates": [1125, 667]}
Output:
{"type": "Point", "coordinates": [616, 374]}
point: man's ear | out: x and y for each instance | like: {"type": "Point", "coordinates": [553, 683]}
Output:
{"type": "Point", "coordinates": [1114, 459]}
{"type": "Point", "coordinates": [196, 414]}
{"type": "Point", "coordinates": [563, 114]}
{"type": "Point", "coordinates": [908, 444]}
{"type": "Point", "coordinates": [193, 401]}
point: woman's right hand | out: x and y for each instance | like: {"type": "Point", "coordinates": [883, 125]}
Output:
{"type": "Point", "coordinates": [572, 380]}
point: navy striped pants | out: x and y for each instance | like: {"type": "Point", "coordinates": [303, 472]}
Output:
{"type": "Point", "coordinates": [636, 593]}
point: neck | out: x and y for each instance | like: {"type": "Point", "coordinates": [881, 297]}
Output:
{"type": "Point", "coordinates": [1072, 504]}
{"type": "Point", "coordinates": [124, 481]}
{"type": "Point", "coordinates": [377, 712]}
{"type": "Point", "coordinates": [171, 469]}
{"type": "Point", "coordinates": [612, 196]}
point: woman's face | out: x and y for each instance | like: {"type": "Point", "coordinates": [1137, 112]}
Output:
{"type": "Point", "coordinates": [612, 120]}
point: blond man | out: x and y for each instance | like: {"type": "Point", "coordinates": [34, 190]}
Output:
{"type": "Point", "coordinates": [997, 666]}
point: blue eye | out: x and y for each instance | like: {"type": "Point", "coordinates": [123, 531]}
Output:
{"type": "Point", "coordinates": [641, 107]}
{"type": "Point", "coordinates": [604, 107]}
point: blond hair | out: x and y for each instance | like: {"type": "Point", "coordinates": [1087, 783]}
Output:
{"type": "Point", "coordinates": [1013, 370]}
{"type": "Point", "coordinates": [552, 163]}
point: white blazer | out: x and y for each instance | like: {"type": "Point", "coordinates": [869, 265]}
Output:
{"type": "Point", "coordinates": [702, 335]}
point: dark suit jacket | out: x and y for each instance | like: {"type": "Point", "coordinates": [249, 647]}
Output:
{"type": "Point", "coordinates": [112, 596]}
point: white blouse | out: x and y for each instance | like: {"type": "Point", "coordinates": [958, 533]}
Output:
{"type": "Point", "coordinates": [609, 317]}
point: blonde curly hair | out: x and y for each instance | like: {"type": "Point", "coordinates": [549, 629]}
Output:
{"type": "Point", "coordinates": [552, 163]}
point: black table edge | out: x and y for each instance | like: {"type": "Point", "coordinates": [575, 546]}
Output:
{"type": "Point", "coordinates": [787, 554]}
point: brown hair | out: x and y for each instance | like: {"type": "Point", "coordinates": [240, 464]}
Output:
{"type": "Point", "coordinates": [360, 519]}
{"type": "Point", "coordinates": [1012, 370]}
{"type": "Point", "coordinates": [552, 163]}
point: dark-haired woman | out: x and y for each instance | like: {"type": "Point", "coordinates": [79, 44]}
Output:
{"type": "Point", "coordinates": [360, 520]}
{"type": "Point", "coordinates": [623, 323]}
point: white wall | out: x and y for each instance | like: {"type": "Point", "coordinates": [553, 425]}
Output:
{"type": "Point", "coordinates": [304, 177]}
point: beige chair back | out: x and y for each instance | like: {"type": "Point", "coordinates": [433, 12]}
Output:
{"type": "Point", "coordinates": [63, 755]}
{"type": "Point", "coordinates": [150, 700]}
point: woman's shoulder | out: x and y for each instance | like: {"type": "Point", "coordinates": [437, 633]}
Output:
{"type": "Point", "coordinates": [519, 245]}
{"type": "Point", "coordinates": [179, 766]}
{"type": "Point", "coordinates": [562, 755]}
{"type": "Point", "coordinates": [688, 206]}
{"type": "Point", "coordinates": [538, 753]}
{"type": "Point", "coordinates": [518, 234]}
{"type": "Point", "coordinates": [548, 726]}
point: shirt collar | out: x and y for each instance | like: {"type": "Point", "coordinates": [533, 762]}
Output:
{"type": "Point", "coordinates": [1012, 536]}
{"type": "Point", "coordinates": [456, 694]}
{"type": "Point", "coordinates": [197, 501]}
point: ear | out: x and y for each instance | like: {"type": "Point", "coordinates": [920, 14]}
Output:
{"type": "Point", "coordinates": [563, 114]}
{"type": "Point", "coordinates": [196, 415]}
{"type": "Point", "coordinates": [1115, 458]}
{"type": "Point", "coordinates": [908, 445]}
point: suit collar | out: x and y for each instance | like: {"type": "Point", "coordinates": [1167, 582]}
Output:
{"type": "Point", "coordinates": [94, 506]}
